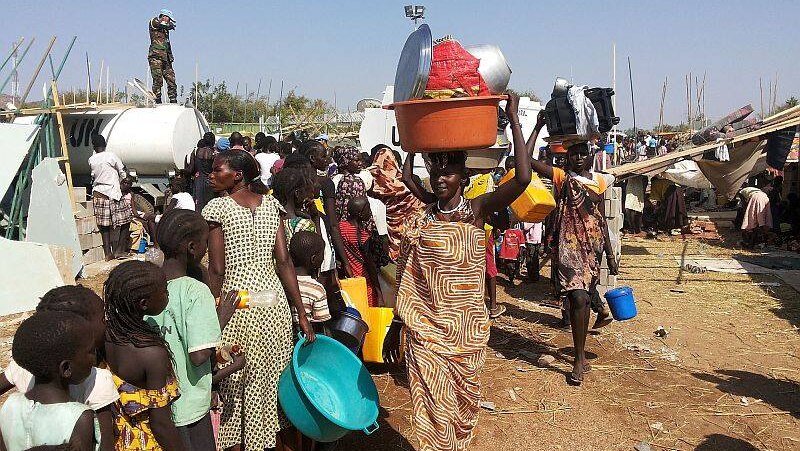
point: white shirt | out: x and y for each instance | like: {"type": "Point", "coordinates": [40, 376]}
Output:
{"type": "Point", "coordinates": [378, 215]}
{"type": "Point", "coordinates": [107, 171]}
{"type": "Point", "coordinates": [364, 175]}
{"type": "Point", "coordinates": [96, 391]}
{"type": "Point", "coordinates": [184, 201]}
{"type": "Point", "coordinates": [265, 162]}
{"type": "Point", "coordinates": [328, 259]}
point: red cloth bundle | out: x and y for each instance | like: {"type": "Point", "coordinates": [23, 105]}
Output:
{"type": "Point", "coordinates": [454, 73]}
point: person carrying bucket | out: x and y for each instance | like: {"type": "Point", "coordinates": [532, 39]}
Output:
{"type": "Point", "coordinates": [581, 236]}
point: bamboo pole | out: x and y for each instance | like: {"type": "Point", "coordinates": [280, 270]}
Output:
{"type": "Point", "coordinates": [36, 72]}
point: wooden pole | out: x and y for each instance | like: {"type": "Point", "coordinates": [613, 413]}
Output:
{"type": "Point", "coordinates": [614, 99]}
{"type": "Point", "coordinates": [705, 119]}
{"type": "Point", "coordinates": [100, 82]}
{"type": "Point", "coordinates": [108, 84]}
{"type": "Point", "coordinates": [233, 102]}
{"type": "Point", "coordinates": [88, 77]}
{"type": "Point", "coordinates": [761, 90]}
{"type": "Point", "coordinates": [64, 149]}
{"type": "Point", "coordinates": [775, 94]}
{"type": "Point", "coordinates": [661, 109]}
{"type": "Point", "coordinates": [633, 103]}
{"type": "Point", "coordinates": [196, 81]}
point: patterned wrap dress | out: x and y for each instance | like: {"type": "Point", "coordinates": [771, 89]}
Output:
{"type": "Point", "coordinates": [441, 277]}
{"type": "Point", "coordinates": [132, 413]}
{"type": "Point", "coordinates": [579, 228]}
{"type": "Point", "coordinates": [250, 397]}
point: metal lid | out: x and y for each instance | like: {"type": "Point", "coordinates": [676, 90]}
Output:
{"type": "Point", "coordinates": [414, 65]}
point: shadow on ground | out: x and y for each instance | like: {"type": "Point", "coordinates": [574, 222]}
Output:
{"type": "Point", "coordinates": [781, 394]}
{"type": "Point", "coordinates": [719, 442]}
{"type": "Point", "coordinates": [385, 438]}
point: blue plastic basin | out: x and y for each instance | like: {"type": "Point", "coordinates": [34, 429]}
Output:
{"type": "Point", "coordinates": [621, 302]}
{"type": "Point", "coordinates": [609, 148]}
{"type": "Point", "coordinates": [327, 391]}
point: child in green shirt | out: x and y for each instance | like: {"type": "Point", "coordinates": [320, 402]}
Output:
{"type": "Point", "coordinates": [191, 323]}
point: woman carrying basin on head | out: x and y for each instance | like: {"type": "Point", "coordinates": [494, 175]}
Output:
{"type": "Point", "coordinates": [581, 236]}
{"type": "Point", "coordinates": [441, 266]}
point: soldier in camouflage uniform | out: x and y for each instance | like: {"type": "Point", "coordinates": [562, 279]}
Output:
{"type": "Point", "coordinates": [160, 55]}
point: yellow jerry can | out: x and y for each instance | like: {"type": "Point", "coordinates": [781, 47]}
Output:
{"type": "Point", "coordinates": [535, 203]}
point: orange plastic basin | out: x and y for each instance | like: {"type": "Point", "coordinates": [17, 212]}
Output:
{"type": "Point", "coordinates": [442, 125]}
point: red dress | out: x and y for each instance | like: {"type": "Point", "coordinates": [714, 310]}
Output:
{"type": "Point", "coordinates": [355, 256]}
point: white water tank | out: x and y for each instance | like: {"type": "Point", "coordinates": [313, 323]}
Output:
{"type": "Point", "coordinates": [150, 141]}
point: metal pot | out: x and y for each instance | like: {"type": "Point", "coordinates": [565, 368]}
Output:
{"type": "Point", "coordinates": [349, 330]}
{"type": "Point", "coordinates": [493, 67]}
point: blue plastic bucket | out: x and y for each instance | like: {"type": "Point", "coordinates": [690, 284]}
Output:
{"type": "Point", "coordinates": [621, 302]}
{"type": "Point", "coordinates": [327, 391]}
{"type": "Point", "coordinates": [609, 148]}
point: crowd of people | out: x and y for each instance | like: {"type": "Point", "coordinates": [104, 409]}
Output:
{"type": "Point", "coordinates": [174, 362]}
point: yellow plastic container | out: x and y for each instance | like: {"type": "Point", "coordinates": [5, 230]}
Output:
{"type": "Point", "coordinates": [479, 185]}
{"type": "Point", "coordinates": [320, 206]}
{"type": "Point", "coordinates": [356, 289]}
{"type": "Point", "coordinates": [379, 319]}
{"type": "Point", "coordinates": [535, 203]}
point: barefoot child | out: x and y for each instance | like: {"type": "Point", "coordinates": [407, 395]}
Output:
{"type": "Point", "coordinates": [139, 358]}
{"type": "Point", "coordinates": [54, 348]}
{"type": "Point", "coordinates": [307, 250]}
{"type": "Point", "coordinates": [190, 324]}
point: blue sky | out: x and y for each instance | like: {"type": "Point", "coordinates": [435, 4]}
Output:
{"type": "Point", "coordinates": [351, 47]}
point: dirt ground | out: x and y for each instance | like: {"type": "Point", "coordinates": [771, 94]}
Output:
{"type": "Point", "coordinates": [725, 377]}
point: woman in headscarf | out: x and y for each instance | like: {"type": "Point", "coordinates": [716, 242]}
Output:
{"type": "Point", "coordinates": [441, 269]}
{"type": "Point", "coordinates": [389, 188]}
{"type": "Point", "coordinates": [348, 183]}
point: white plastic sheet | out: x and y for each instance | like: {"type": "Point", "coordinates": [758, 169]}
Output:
{"type": "Point", "coordinates": [15, 142]}
{"type": "Point", "coordinates": [687, 173]}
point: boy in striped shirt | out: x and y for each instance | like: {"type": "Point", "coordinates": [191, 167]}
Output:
{"type": "Point", "coordinates": [307, 251]}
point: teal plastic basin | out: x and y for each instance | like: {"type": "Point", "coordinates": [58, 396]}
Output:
{"type": "Point", "coordinates": [327, 391]}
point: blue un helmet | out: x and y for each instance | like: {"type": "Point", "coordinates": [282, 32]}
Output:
{"type": "Point", "coordinates": [168, 13]}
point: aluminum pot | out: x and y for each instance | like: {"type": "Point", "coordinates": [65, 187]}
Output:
{"type": "Point", "coordinates": [349, 330]}
{"type": "Point", "coordinates": [493, 67]}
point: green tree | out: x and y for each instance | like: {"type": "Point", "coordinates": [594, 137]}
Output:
{"type": "Point", "coordinates": [791, 102]}
{"type": "Point", "coordinates": [525, 93]}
